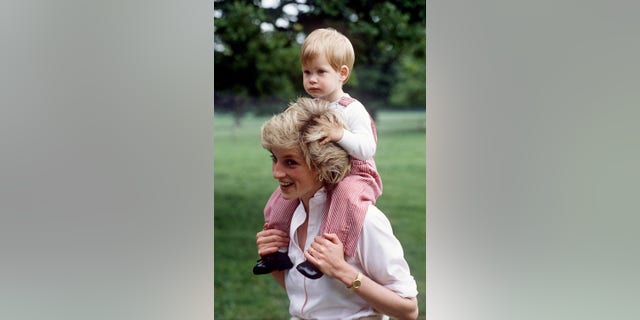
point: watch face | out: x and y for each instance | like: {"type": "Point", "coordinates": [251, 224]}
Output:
{"type": "Point", "coordinates": [357, 282]}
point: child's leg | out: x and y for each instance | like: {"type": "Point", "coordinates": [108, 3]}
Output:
{"type": "Point", "coordinates": [348, 205]}
{"type": "Point", "coordinates": [277, 215]}
{"type": "Point", "coordinates": [278, 211]}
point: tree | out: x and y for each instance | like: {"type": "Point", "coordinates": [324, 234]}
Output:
{"type": "Point", "coordinates": [257, 48]}
{"type": "Point", "coordinates": [409, 88]}
{"type": "Point", "coordinates": [382, 33]}
{"type": "Point", "coordinates": [250, 63]}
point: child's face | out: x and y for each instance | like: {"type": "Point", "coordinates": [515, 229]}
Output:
{"type": "Point", "coordinates": [321, 81]}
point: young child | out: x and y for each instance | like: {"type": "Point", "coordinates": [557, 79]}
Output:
{"type": "Point", "coordinates": [327, 59]}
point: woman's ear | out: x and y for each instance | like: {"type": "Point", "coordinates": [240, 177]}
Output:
{"type": "Point", "coordinates": [344, 73]}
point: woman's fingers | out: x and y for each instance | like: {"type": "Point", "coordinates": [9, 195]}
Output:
{"type": "Point", "coordinates": [272, 241]}
{"type": "Point", "coordinates": [268, 241]}
{"type": "Point", "coordinates": [325, 245]}
{"type": "Point", "coordinates": [315, 245]}
{"type": "Point", "coordinates": [270, 232]}
{"type": "Point", "coordinates": [263, 238]}
{"type": "Point", "coordinates": [326, 253]}
{"type": "Point", "coordinates": [265, 251]}
{"type": "Point", "coordinates": [332, 237]}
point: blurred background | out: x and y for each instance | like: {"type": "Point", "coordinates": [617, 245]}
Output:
{"type": "Point", "coordinates": [257, 72]}
{"type": "Point", "coordinates": [257, 46]}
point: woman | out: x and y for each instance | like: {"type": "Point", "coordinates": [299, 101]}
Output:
{"type": "Point", "coordinates": [376, 281]}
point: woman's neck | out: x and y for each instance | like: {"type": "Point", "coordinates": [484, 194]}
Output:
{"type": "Point", "coordinates": [305, 204]}
{"type": "Point", "coordinates": [306, 199]}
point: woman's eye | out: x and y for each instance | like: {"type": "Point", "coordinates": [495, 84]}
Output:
{"type": "Point", "coordinates": [273, 158]}
{"type": "Point", "coordinates": [291, 163]}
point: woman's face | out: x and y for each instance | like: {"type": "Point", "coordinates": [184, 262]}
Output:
{"type": "Point", "coordinates": [297, 180]}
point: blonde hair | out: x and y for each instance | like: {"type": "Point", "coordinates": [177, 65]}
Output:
{"type": "Point", "coordinates": [331, 44]}
{"type": "Point", "coordinates": [301, 126]}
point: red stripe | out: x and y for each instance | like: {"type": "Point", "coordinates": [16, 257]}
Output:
{"type": "Point", "coordinates": [278, 211]}
{"type": "Point", "coordinates": [349, 202]}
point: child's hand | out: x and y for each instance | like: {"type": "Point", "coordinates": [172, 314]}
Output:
{"type": "Point", "coordinates": [333, 134]}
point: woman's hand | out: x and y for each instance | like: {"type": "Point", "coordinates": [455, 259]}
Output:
{"type": "Point", "coordinates": [327, 253]}
{"type": "Point", "coordinates": [268, 241]}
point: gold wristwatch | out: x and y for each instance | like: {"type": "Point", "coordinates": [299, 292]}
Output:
{"type": "Point", "coordinates": [357, 282]}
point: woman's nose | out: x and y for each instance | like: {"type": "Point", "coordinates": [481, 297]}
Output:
{"type": "Point", "coordinates": [277, 173]}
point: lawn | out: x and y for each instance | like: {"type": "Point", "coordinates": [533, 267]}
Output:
{"type": "Point", "coordinates": [243, 182]}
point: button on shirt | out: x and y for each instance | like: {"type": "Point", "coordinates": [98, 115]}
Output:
{"type": "Point", "coordinates": [379, 256]}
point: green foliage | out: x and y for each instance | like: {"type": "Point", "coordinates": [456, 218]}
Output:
{"type": "Point", "coordinates": [388, 37]}
{"type": "Point", "coordinates": [249, 61]}
{"type": "Point", "coordinates": [409, 89]}
{"type": "Point", "coordinates": [382, 32]}
{"type": "Point", "coordinates": [243, 183]}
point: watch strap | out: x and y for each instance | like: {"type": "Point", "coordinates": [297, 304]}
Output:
{"type": "Point", "coordinates": [356, 282]}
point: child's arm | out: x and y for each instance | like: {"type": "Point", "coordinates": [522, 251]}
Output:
{"type": "Point", "coordinates": [358, 140]}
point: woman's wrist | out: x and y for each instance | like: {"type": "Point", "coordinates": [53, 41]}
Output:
{"type": "Point", "coordinates": [348, 275]}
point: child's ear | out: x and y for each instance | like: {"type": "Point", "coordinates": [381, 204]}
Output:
{"type": "Point", "coordinates": [344, 73]}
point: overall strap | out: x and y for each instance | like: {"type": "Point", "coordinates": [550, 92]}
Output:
{"type": "Point", "coordinates": [346, 101]}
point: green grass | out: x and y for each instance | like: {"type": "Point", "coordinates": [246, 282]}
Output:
{"type": "Point", "coordinates": [243, 182]}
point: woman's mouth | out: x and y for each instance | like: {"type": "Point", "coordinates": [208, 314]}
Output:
{"type": "Point", "coordinates": [285, 185]}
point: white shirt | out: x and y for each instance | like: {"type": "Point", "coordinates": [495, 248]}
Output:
{"type": "Point", "coordinates": [379, 256]}
{"type": "Point", "coordinates": [358, 139]}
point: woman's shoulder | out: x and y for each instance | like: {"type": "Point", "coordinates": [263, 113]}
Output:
{"type": "Point", "coordinates": [375, 218]}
